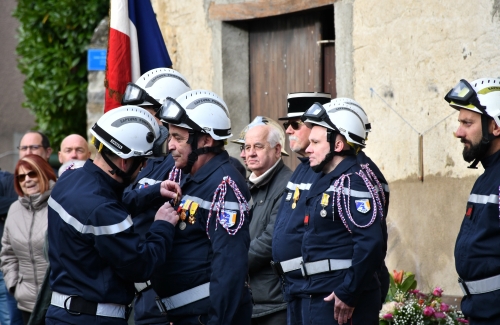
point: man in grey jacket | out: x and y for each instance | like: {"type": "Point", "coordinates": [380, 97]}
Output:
{"type": "Point", "coordinates": [267, 183]}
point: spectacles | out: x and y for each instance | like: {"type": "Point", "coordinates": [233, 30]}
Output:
{"type": "Point", "coordinates": [32, 147]}
{"type": "Point", "coordinates": [294, 124]}
{"type": "Point", "coordinates": [22, 177]}
{"type": "Point", "coordinates": [242, 147]}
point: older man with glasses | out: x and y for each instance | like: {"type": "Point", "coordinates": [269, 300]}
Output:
{"type": "Point", "coordinates": [36, 143]}
{"type": "Point", "coordinates": [289, 225]}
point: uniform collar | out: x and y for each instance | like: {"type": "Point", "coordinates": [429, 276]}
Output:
{"type": "Point", "coordinates": [491, 160]}
{"type": "Point", "coordinates": [326, 180]}
{"type": "Point", "coordinates": [209, 168]}
{"type": "Point", "coordinates": [304, 160]}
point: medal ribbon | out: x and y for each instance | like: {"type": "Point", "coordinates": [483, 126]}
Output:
{"type": "Point", "coordinates": [220, 193]}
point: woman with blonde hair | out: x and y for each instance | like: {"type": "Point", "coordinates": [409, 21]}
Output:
{"type": "Point", "coordinates": [22, 260]}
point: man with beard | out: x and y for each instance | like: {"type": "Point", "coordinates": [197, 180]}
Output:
{"type": "Point", "coordinates": [94, 253]}
{"type": "Point", "coordinates": [289, 226]}
{"type": "Point", "coordinates": [477, 257]}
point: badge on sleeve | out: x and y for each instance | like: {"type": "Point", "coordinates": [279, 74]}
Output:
{"type": "Point", "coordinates": [363, 205]}
{"type": "Point", "coordinates": [228, 218]}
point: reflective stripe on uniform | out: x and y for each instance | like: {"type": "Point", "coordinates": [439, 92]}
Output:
{"type": "Point", "coordinates": [483, 199]}
{"type": "Point", "coordinates": [228, 205]}
{"type": "Point", "coordinates": [480, 286]}
{"type": "Point", "coordinates": [108, 310]}
{"type": "Point", "coordinates": [187, 297]}
{"type": "Point", "coordinates": [148, 181]}
{"type": "Point", "coordinates": [324, 266]}
{"type": "Point", "coordinates": [141, 286]}
{"type": "Point", "coordinates": [291, 265]}
{"type": "Point", "coordinates": [302, 186]}
{"type": "Point", "coordinates": [89, 229]}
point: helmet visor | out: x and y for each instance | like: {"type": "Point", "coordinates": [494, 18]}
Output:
{"type": "Point", "coordinates": [172, 112]}
{"type": "Point", "coordinates": [135, 95]}
{"type": "Point", "coordinates": [317, 113]}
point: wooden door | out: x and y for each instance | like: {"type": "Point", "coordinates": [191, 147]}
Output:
{"type": "Point", "coordinates": [285, 57]}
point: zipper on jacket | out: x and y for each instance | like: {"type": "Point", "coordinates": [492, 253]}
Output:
{"type": "Point", "coordinates": [30, 245]}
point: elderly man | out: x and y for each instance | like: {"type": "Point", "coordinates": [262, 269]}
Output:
{"type": "Point", "coordinates": [73, 147]}
{"type": "Point", "coordinates": [477, 257]}
{"type": "Point", "coordinates": [267, 183]}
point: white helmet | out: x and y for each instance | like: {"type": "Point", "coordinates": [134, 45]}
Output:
{"type": "Point", "coordinates": [199, 110]}
{"type": "Point", "coordinates": [340, 119]}
{"type": "Point", "coordinates": [263, 120]}
{"type": "Point", "coordinates": [355, 106]}
{"type": "Point", "coordinates": [480, 96]}
{"type": "Point", "coordinates": [130, 131]}
{"type": "Point", "coordinates": [159, 84]}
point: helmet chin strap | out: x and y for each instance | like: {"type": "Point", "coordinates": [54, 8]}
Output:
{"type": "Point", "coordinates": [125, 176]}
{"type": "Point", "coordinates": [485, 140]}
{"type": "Point", "coordinates": [330, 136]}
{"type": "Point", "coordinates": [196, 152]}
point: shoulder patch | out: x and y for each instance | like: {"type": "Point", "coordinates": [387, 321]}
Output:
{"type": "Point", "coordinates": [228, 218]}
{"type": "Point", "coordinates": [363, 205]}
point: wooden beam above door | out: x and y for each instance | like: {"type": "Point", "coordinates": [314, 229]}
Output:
{"type": "Point", "coordinates": [261, 8]}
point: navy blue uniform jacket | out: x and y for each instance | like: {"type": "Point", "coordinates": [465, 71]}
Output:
{"type": "Point", "coordinates": [289, 225]}
{"type": "Point", "coordinates": [221, 260]}
{"type": "Point", "coordinates": [93, 251]}
{"type": "Point", "coordinates": [328, 238]}
{"type": "Point", "coordinates": [477, 250]}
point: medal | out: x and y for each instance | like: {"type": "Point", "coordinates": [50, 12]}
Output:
{"type": "Point", "coordinates": [182, 225]}
{"type": "Point", "coordinates": [296, 195]}
{"type": "Point", "coordinates": [324, 203]}
{"type": "Point", "coordinates": [192, 212]}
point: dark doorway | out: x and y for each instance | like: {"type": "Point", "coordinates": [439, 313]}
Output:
{"type": "Point", "coordinates": [287, 55]}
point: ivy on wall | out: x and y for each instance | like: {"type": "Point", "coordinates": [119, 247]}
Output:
{"type": "Point", "coordinates": [53, 39]}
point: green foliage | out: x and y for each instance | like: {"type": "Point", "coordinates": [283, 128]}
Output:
{"type": "Point", "coordinates": [402, 281]}
{"type": "Point", "coordinates": [53, 40]}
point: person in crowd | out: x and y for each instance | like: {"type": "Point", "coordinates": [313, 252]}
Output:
{"type": "Point", "coordinates": [94, 253]}
{"type": "Point", "coordinates": [151, 89]}
{"type": "Point", "coordinates": [263, 150]}
{"type": "Point", "coordinates": [35, 142]}
{"type": "Point", "coordinates": [477, 259]}
{"type": "Point", "coordinates": [289, 225]}
{"type": "Point", "coordinates": [378, 179]}
{"type": "Point", "coordinates": [343, 242]}
{"type": "Point", "coordinates": [22, 260]}
{"type": "Point", "coordinates": [74, 152]}
{"type": "Point", "coordinates": [203, 280]}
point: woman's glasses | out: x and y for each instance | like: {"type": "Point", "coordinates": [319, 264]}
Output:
{"type": "Point", "coordinates": [22, 177]}
{"type": "Point", "coordinates": [294, 124]}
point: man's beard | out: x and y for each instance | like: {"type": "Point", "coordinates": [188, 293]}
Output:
{"type": "Point", "coordinates": [474, 151]}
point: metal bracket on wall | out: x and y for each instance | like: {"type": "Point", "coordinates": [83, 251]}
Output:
{"type": "Point", "coordinates": [420, 134]}
{"type": "Point", "coordinates": [329, 41]}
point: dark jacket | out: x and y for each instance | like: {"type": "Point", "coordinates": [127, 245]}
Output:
{"type": "Point", "coordinates": [7, 196]}
{"type": "Point", "coordinates": [477, 255]}
{"type": "Point", "coordinates": [265, 284]}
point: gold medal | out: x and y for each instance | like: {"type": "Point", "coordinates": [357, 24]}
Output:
{"type": "Point", "coordinates": [324, 202]}
{"type": "Point", "coordinates": [191, 220]}
{"type": "Point", "coordinates": [296, 195]}
{"type": "Point", "coordinates": [192, 211]}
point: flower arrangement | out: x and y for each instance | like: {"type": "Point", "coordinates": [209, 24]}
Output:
{"type": "Point", "coordinates": [405, 305]}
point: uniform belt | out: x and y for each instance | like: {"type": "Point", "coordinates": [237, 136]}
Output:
{"type": "Point", "coordinates": [77, 305]}
{"type": "Point", "coordinates": [479, 286]}
{"type": "Point", "coordinates": [324, 266]}
{"type": "Point", "coordinates": [183, 298]}
{"type": "Point", "coordinates": [283, 267]}
{"type": "Point", "coordinates": [141, 286]}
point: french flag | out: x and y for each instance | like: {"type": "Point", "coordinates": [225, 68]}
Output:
{"type": "Point", "coordinates": [135, 46]}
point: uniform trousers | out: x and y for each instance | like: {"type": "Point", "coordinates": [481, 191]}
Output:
{"type": "Point", "coordinates": [316, 311]}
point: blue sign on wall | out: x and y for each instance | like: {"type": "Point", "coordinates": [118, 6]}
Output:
{"type": "Point", "coordinates": [96, 59]}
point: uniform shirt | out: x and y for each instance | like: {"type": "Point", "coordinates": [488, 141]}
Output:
{"type": "Point", "coordinates": [477, 253]}
{"type": "Point", "coordinates": [93, 251]}
{"type": "Point", "coordinates": [221, 259]}
{"type": "Point", "coordinates": [289, 225]}
{"type": "Point", "coordinates": [328, 237]}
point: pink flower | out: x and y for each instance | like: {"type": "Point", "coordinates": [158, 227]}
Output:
{"type": "Point", "coordinates": [444, 307]}
{"type": "Point", "coordinates": [387, 316]}
{"type": "Point", "coordinates": [428, 311]}
{"type": "Point", "coordinates": [463, 321]}
{"type": "Point", "coordinates": [439, 315]}
{"type": "Point", "coordinates": [438, 292]}
{"type": "Point", "coordinates": [416, 291]}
